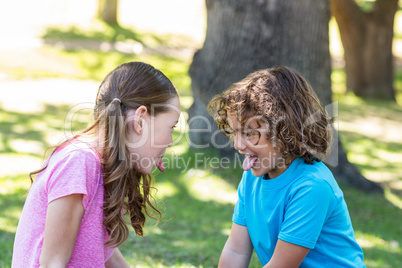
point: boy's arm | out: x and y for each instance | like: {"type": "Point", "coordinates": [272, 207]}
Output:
{"type": "Point", "coordinates": [238, 248]}
{"type": "Point", "coordinates": [287, 255]}
{"type": "Point", "coordinates": [63, 220]}
{"type": "Point", "coordinates": [117, 260]}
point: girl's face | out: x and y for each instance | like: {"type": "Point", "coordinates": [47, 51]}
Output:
{"type": "Point", "coordinates": [261, 157]}
{"type": "Point", "coordinates": [150, 136]}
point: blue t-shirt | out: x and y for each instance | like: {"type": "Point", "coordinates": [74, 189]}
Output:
{"type": "Point", "coordinates": [302, 206]}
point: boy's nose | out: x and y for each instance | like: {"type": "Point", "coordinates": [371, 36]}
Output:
{"type": "Point", "coordinates": [239, 143]}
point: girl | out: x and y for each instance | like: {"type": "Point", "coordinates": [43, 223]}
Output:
{"type": "Point", "coordinates": [73, 215]}
{"type": "Point", "coordinates": [290, 208]}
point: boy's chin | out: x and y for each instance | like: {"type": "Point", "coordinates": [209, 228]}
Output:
{"type": "Point", "coordinates": [257, 172]}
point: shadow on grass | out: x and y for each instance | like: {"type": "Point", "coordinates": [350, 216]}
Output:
{"type": "Point", "coordinates": [33, 128]}
{"type": "Point", "coordinates": [111, 33]}
{"type": "Point", "coordinates": [102, 32]}
{"type": "Point", "coordinates": [375, 155]}
{"type": "Point", "coordinates": [6, 248]}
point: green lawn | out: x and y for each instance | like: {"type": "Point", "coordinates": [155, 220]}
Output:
{"type": "Point", "coordinates": [198, 200]}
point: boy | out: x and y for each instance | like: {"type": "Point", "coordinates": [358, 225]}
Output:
{"type": "Point", "coordinates": [290, 208]}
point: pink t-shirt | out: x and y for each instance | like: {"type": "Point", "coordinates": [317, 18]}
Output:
{"type": "Point", "coordinates": [73, 169]}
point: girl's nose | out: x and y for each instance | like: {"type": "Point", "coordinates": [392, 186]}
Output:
{"type": "Point", "coordinates": [170, 144]}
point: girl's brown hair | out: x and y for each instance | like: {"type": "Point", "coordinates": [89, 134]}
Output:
{"type": "Point", "coordinates": [282, 98]}
{"type": "Point", "coordinates": [126, 191]}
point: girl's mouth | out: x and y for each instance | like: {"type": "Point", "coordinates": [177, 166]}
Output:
{"type": "Point", "coordinates": [160, 165]}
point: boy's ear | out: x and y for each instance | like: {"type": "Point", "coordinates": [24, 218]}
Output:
{"type": "Point", "coordinates": [136, 119]}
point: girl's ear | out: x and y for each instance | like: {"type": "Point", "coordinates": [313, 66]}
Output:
{"type": "Point", "coordinates": [136, 119]}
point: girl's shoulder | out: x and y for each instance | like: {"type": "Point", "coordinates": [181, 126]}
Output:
{"type": "Point", "coordinates": [74, 158]}
{"type": "Point", "coordinates": [73, 168]}
{"type": "Point", "coordinates": [76, 149]}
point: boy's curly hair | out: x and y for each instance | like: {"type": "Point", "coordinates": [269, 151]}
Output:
{"type": "Point", "coordinates": [281, 97]}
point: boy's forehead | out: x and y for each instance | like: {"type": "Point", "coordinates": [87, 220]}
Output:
{"type": "Point", "coordinates": [237, 122]}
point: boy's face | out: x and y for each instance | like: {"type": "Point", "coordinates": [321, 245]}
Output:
{"type": "Point", "coordinates": [251, 140]}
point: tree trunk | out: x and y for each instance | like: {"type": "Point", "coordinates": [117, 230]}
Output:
{"type": "Point", "coordinates": [243, 37]}
{"type": "Point", "coordinates": [107, 11]}
{"type": "Point", "coordinates": [367, 41]}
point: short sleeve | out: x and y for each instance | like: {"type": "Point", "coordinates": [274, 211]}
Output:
{"type": "Point", "coordinates": [308, 207]}
{"type": "Point", "coordinates": [72, 174]}
{"type": "Point", "coordinates": [239, 216]}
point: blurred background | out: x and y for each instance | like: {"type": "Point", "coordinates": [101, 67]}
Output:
{"type": "Point", "coordinates": [55, 53]}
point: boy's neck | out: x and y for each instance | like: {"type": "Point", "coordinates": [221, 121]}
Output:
{"type": "Point", "coordinates": [279, 171]}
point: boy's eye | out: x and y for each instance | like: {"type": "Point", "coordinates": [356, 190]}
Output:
{"type": "Point", "coordinates": [248, 133]}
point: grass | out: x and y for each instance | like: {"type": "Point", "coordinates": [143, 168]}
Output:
{"type": "Point", "coordinates": [103, 32]}
{"type": "Point", "coordinates": [95, 65]}
{"type": "Point", "coordinates": [198, 199]}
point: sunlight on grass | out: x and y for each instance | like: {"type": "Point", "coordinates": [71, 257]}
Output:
{"type": "Point", "coordinates": [366, 241]}
{"type": "Point", "coordinates": [205, 186]}
{"type": "Point", "coordinates": [14, 184]}
{"type": "Point", "coordinates": [172, 154]}
{"type": "Point", "coordinates": [165, 189]}
{"type": "Point", "coordinates": [394, 199]}
{"type": "Point", "coordinates": [372, 243]}
{"type": "Point", "coordinates": [27, 147]}
{"type": "Point", "coordinates": [9, 222]}
{"type": "Point", "coordinates": [338, 78]}
{"type": "Point", "coordinates": [13, 163]}
{"type": "Point", "coordinates": [12, 194]}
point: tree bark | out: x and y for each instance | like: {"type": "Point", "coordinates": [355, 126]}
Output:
{"type": "Point", "coordinates": [367, 41]}
{"type": "Point", "coordinates": [243, 37]}
{"type": "Point", "coordinates": [107, 11]}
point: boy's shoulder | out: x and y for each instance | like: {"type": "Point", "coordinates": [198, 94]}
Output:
{"type": "Point", "coordinates": [315, 176]}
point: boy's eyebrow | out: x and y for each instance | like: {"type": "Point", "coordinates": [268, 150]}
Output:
{"type": "Point", "coordinates": [242, 128]}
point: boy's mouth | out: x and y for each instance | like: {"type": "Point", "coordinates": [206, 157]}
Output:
{"type": "Point", "coordinates": [249, 162]}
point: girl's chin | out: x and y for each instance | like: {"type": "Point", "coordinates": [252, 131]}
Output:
{"type": "Point", "coordinates": [144, 170]}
